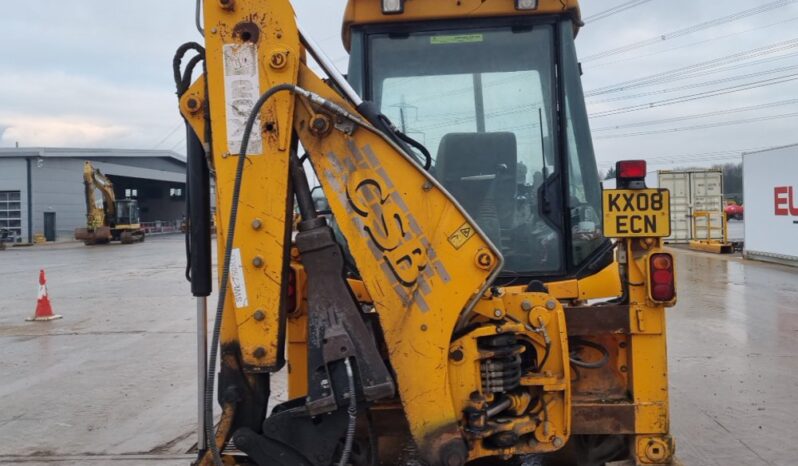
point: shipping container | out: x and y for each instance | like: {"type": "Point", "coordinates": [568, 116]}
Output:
{"type": "Point", "coordinates": [694, 191]}
{"type": "Point", "coordinates": [691, 191]}
{"type": "Point", "coordinates": [770, 191]}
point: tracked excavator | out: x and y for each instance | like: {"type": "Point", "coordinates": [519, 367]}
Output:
{"type": "Point", "coordinates": [468, 294]}
{"type": "Point", "coordinates": [107, 218]}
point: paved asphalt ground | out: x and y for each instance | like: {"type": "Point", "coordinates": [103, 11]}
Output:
{"type": "Point", "coordinates": [113, 382]}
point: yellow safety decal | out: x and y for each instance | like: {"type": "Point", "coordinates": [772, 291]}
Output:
{"type": "Point", "coordinates": [461, 235]}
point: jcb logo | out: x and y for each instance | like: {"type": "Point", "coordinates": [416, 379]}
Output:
{"type": "Point", "coordinates": [387, 226]}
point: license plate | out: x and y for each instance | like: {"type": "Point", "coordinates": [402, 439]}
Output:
{"type": "Point", "coordinates": [637, 213]}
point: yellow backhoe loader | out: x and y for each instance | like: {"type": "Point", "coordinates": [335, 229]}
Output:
{"type": "Point", "coordinates": [461, 301]}
{"type": "Point", "coordinates": [107, 218]}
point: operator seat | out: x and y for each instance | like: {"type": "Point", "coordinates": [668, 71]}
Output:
{"type": "Point", "coordinates": [480, 170]}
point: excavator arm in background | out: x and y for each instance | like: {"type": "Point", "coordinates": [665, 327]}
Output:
{"type": "Point", "coordinates": [102, 209]}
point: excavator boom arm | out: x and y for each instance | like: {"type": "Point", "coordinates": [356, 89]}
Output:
{"type": "Point", "coordinates": [421, 257]}
{"type": "Point", "coordinates": [98, 211]}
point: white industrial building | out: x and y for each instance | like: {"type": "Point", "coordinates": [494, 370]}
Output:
{"type": "Point", "coordinates": [42, 191]}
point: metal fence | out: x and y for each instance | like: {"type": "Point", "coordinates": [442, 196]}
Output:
{"type": "Point", "coordinates": [161, 227]}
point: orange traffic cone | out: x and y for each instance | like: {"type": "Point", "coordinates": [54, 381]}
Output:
{"type": "Point", "coordinates": [43, 309]}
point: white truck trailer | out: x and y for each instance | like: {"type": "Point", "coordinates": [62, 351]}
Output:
{"type": "Point", "coordinates": [770, 192]}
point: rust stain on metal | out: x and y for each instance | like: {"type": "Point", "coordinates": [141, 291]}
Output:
{"type": "Point", "coordinates": [601, 418]}
{"type": "Point", "coordinates": [246, 31]}
{"type": "Point", "coordinates": [591, 320]}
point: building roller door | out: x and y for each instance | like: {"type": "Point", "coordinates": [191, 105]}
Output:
{"type": "Point", "coordinates": [10, 216]}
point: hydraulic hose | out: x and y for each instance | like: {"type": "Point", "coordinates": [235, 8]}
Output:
{"type": "Point", "coordinates": [231, 227]}
{"type": "Point", "coordinates": [186, 82]}
{"type": "Point", "coordinates": [181, 51]}
{"type": "Point", "coordinates": [601, 362]}
{"type": "Point", "coordinates": [352, 411]}
{"type": "Point", "coordinates": [182, 83]}
{"type": "Point", "coordinates": [421, 148]}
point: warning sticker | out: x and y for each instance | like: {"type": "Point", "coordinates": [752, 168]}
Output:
{"type": "Point", "coordinates": [237, 282]}
{"type": "Point", "coordinates": [456, 39]}
{"type": "Point", "coordinates": [461, 235]}
{"type": "Point", "coordinates": [241, 90]}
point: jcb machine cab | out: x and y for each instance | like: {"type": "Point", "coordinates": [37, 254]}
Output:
{"type": "Point", "coordinates": [468, 305]}
{"type": "Point", "coordinates": [495, 97]}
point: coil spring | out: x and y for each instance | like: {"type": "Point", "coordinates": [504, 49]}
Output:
{"type": "Point", "coordinates": [501, 372]}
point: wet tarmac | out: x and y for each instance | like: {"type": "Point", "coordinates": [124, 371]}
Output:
{"type": "Point", "coordinates": [114, 381]}
{"type": "Point", "coordinates": [115, 376]}
{"type": "Point", "coordinates": [733, 344]}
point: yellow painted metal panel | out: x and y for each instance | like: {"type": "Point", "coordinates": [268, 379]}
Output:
{"type": "Point", "coordinates": [648, 359]}
{"type": "Point", "coordinates": [242, 51]}
{"type": "Point", "coordinates": [604, 284]}
{"type": "Point", "coordinates": [418, 281]}
{"type": "Point", "coordinates": [370, 11]}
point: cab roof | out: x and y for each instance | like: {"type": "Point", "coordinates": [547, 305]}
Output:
{"type": "Point", "coordinates": [359, 12]}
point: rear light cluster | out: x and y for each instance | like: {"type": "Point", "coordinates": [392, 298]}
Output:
{"type": "Point", "coordinates": [631, 169]}
{"type": "Point", "coordinates": [661, 277]}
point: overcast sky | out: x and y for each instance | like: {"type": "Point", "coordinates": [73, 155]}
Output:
{"type": "Point", "coordinates": [97, 73]}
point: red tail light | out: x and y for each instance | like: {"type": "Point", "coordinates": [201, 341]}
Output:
{"type": "Point", "coordinates": [662, 284]}
{"type": "Point", "coordinates": [631, 169]}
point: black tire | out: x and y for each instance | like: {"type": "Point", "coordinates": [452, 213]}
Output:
{"type": "Point", "coordinates": [531, 460]}
{"type": "Point", "coordinates": [597, 450]}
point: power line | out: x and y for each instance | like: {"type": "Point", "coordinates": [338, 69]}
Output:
{"type": "Point", "coordinates": [689, 30]}
{"type": "Point", "coordinates": [455, 118]}
{"type": "Point", "coordinates": [671, 162]}
{"type": "Point", "coordinates": [513, 76]}
{"type": "Point", "coordinates": [692, 74]}
{"type": "Point", "coordinates": [697, 85]}
{"type": "Point", "coordinates": [691, 44]}
{"type": "Point", "coordinates": [698, 96]}
{"type": "Point", "coordinates": [179, 125]}
{"type": "Point", "coordinates": [696, 116]}
{"type": "Point", "coordinates": [614, 10]}
{"type": "Point", "coordinates": [696, 69]}
{"type": "Point", "coordinates": [674, 100]}
{"type": "Point", "coordinates": [182, 141]}
{"type": "Point", "coordinates": [697, 127]}
{"type": "Point", "coordinates": [701, 156]}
